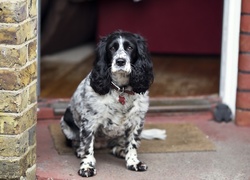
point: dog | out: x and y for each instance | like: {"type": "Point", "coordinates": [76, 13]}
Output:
{"type": "Point", "coordinates": [109, 106]}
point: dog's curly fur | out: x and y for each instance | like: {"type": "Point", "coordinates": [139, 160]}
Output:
{"type": "Point", "coordinates": [122, 69]}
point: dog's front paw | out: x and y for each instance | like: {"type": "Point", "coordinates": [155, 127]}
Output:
{"type": "Point", "coordinates": [138, 167]}
{"type": "Point", "coordinates": [87, 170]}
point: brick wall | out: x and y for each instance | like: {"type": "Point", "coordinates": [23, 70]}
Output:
{"type": "Point", "coordinates": [243, 91]}
{"type": "Point", "coordinates": [18, 89]}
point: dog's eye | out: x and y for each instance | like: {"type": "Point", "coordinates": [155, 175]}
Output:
{"type": "Point", "coordinates": [129, 48]}
{"type": "Point", "coordinates": [112, 48]}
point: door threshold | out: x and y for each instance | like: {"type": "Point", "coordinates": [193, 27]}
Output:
{"type": "Point", "coordinates": [55, 108]}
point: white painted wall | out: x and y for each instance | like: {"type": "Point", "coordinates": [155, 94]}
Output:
{"type": "Point", "coordinates": [230, 52]}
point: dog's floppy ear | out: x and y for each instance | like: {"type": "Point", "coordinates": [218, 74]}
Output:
{"type": "Point", "coordinates": [142, 72]}
{"type": "Point", "coordinates": [100, 76]}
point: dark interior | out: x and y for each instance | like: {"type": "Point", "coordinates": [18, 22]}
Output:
{"type": "Point", "coordinates": [184, 38]}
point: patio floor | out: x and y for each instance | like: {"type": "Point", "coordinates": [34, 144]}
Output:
{"type": "Point", "coordinates": [231, 160]}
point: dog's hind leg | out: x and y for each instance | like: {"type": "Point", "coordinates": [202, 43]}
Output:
{"type": "Point", "coordinates": [117, 146]}
{"type": "Point", "coordinates": [119, 152]}
{"type": "Point", "coordinates": [69, 128]}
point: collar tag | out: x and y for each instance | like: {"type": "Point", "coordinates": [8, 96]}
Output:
{"type": "Point", "coordinates": [121, 99]}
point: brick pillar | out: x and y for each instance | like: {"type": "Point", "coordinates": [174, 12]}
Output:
{"type": "Point", "coordinates": [18, 80]}
{"type": "Point", "coordinates": [243, 91]}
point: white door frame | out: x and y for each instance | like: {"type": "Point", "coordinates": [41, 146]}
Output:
{"type": "Point", "coordinates": [230, 52]}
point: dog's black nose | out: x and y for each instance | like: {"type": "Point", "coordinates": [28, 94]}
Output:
{"type": "Point", "coordinates": [120, 62]}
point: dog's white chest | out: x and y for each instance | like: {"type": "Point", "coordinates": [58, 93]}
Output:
{"type": "Point", "coordinates": [115, 118]}
{"type": "Point", "coordinates": [112, 130]}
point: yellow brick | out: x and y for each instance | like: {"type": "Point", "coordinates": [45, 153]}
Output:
{"type": "Point", "coordinates": [16, 167]}
{"type": "Point", "coordinates": [12, 12]}
{"type": "Point", "coordinates": [11, 79]}
{"type": "Point", "coordinates": [32, 135]}
{"type": "Point", "coordinates": [16, 123]}
{"type": "Point", "coordinates": [31, 173]}
{"type": "Point", "coordinates": [28, 74]}
{"type": "Point", "coordinates": [12, 102]}
{"type": "Point", "coordinates": [32, 50]}
{"type": "Point", "coordinates": [18, 34]}
{"type": "Point", "coordinates": [13, 57]}
{"type": "Point", "coordinates": [9, 34]}
{"type": "Point", "coordinates": [33, 93]}
{"type": "Point", "coordinates": [7, 79]}
{"type": "Point", "coordinates": [32, 8]}
{"type": "Point", "coordinates": [29, 30]}
{"type": "Point", "coordinates": [15, 145]}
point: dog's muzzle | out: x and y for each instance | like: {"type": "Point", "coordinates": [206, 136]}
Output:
{"type": "Point", "coordinates": [120, 62]}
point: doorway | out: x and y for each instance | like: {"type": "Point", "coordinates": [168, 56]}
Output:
{"type": "Point", "coordinates": [183, 68]}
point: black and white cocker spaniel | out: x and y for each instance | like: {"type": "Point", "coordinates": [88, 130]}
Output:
{"type": "Point", "coordinates": [109, 106]}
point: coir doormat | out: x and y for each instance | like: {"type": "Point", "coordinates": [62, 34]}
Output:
{"type": "Point", "coordinates": [184, 137]}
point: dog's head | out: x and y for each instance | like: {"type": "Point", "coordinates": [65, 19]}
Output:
{"type": "Point", "coordinates": [122, 57]}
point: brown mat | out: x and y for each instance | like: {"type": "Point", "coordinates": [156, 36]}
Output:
{"type": "Point", "coordinates": [183, 137]}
